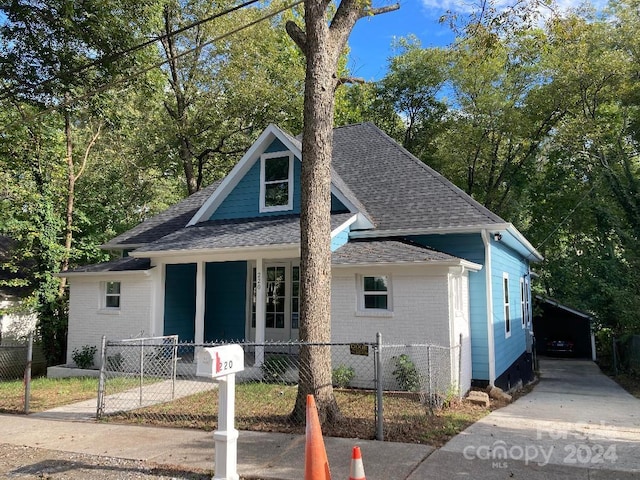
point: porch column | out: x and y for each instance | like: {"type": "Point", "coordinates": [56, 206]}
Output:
{"type": "Point", "coordinates": [200, 293]}
{"type": "Point", "coordinates": [260, 310]}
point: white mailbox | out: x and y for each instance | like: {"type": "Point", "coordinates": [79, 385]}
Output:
{"type": "Point", "coordinates": [222, 363]}
{"type": "Point", "coordinates": [216, 362]}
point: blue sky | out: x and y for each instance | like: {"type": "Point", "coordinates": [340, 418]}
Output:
{"type": "Point", "coordinates": [372, 38]}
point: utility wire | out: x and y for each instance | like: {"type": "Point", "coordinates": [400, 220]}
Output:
{"type": "Point", "coordinates": [121, 81]}
{"type": "Point", "coordinates": [114, 56]}
{"type": "Point", "coordinates": [567, 216]}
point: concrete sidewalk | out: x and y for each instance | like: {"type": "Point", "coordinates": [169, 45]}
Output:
{"type": "Point", "coordinates": [267, 456]}
{"type": "Point", "coordinates": [575, 424]}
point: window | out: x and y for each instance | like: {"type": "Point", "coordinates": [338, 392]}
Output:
{"type": "Point", "coordinates": [112, 295]}
{"type": "Point", "coordinates": [523, 303]}
{"type": "Point", "coordinates": [507, 308]}
{"type": "Point", "coordinates": [276, 185]}
{"type": "Point", "coordinates": [375, 293]}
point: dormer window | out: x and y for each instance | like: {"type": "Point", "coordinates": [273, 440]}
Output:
{"type": "Point", "coordinates": [276, 181]}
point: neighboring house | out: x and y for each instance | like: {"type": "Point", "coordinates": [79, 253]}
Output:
{"type": "Point", "coordinates": [16, 320]}
{"type": "Point", "coordinates": [414, 258]}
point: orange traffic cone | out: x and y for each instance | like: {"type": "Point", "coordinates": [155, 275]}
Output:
{"type": "Point", "coordinates": [316, 463]}
{"type": "Point", "coordinates": [357, 469]}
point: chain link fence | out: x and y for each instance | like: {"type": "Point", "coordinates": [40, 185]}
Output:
{"type": "Point", "coordinates": [378, 388]}
{"type": "Point", "coordinates": [14, 359]}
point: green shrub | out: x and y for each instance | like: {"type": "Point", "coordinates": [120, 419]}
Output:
{"type": "Point", "coordinates": [406, 374]}
{"type": "Point", "coordinates": [342, 376]}
{"type": "Point", "coordinates": [83, 357]}
{"type": "Point", "coordinates": [274, 367]}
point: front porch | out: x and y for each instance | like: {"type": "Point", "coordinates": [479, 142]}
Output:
{"type": "Point", "coordinates": [231, 301]}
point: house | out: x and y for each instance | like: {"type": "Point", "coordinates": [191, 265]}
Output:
{"type": "Point", "coordinates": [414, 258]}
{"type": "Point", "coordinates": [17, 320]}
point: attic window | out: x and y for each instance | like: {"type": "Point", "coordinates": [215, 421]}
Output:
{"type": "Point", "coordinates": [276, 181]}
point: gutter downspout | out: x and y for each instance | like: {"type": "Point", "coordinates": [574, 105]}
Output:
{"type": "Point", "coordinates": [486, 240]}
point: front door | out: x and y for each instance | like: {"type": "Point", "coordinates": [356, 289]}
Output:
{"type": "Point", "coordinates": [282, 301]}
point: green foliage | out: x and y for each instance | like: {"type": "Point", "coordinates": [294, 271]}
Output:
{"type": "Point", "coordinates": [274, 367]}
{"type": "Point", "coordinates": [342, 376]}
{"type": "Point", "coordinates": [83, 357]}
{"type": "Point", "coordinates": [406, 373]}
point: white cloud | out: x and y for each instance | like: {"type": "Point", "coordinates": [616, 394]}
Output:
{"type": "Point", "coordinates": [469, 6]}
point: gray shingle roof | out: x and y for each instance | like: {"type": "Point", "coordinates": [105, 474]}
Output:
{"type": "Point", "coordinates": [385, 182]}
{"type": "Point", "coordinates": [175, 217]}
{"type": "Point", "coordinates": [359, 252]}
{"type": "Point", "coordinates": [397, 189]}
{"type": "Point", "coordinates": [126, 264]}
{"type": "Point", "coordinates": [245, 232]}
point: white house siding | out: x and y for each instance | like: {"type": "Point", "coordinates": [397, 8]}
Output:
{"type": "Point", "coordinates": [421, 315]}
{"type": "Point", "coordinates": [88, 322]}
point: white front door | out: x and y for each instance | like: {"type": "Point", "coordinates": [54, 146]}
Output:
{"type": "Point", "coordinates": [282, 290]}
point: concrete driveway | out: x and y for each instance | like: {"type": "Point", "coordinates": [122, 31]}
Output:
{"type": "Point", "coordinates": [575, 424]}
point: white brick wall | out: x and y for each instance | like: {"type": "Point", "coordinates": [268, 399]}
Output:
{"type": "Point", "coordinates": [421, 314]}
{"type": "Point", "coordinates": [88, 322]}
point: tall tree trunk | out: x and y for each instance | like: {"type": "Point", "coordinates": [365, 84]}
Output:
{"type": "Point", "coordinates": [322, 44]}
{"type": "Point", "coordinates": [71, 184]}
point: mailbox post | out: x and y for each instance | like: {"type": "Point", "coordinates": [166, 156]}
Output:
{"type": "Point", "coordinates": [222, 363]}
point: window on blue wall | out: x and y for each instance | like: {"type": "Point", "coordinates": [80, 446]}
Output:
{"type": "Point", "coordinates": [507, 308]}
{"type": "Point", "coordinates": [276, 186]}
{"type": "Point", "coordinates": [523, 303]}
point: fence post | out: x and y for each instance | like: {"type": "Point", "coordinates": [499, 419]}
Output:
{"type": "Point", "coordinates": [460, 367]}
{"type": "Point", "coordinates": [431, 396]}
{"type": "Point", "coordinates": [101, 377]}
{"type": "Point", "coordinates": [379, 396]}
{"type": "Point", "coordinates": [141, 367]}
{"type": "Point", "coordinates": [174, 366]}
{"type": "Point", "coordinates": [614, 351]}
{"type": "Point", "coordinates": [27, 375]}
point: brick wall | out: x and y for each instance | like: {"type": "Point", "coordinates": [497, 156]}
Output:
{"type": "Point", "coordinates": [88, 322]}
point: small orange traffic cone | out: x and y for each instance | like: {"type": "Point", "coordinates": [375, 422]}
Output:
{"type": "Point", "coordinates": [316, 463]}
{"type": "Point", "coordinates": [357, 469]}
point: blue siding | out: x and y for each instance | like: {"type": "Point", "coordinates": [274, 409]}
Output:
{"type": "Point", "coordinates": [340, 239]}
{"type": "Point", "coordinates": [469, 247]}
{"type": "Point", "coordinates": [337, 206]}
{"type": "Point", "coordinates": [225, 301]}
{"type": "Point", "coordinates": [244, 200]}
{"type": "Point", "coordinates": [180, 301]}
{"type": "Point", "coordinates": [507, 350]}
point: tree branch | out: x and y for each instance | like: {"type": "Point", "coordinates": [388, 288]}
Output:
{"type": "Point", "coordinates": [352, 80]}
{"type": "Point", "coordinates": [92, 142]}
{"type": "Point", "coordinates": [297, 35]}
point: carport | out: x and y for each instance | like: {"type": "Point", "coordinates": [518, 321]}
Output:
{"type": "Point", "coordinates": [555, 321]}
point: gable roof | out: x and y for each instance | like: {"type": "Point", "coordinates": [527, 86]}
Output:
{"type": "Point", "coordinates": [392, 192]}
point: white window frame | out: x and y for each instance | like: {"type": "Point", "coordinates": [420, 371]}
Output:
{"type": "Point", "coordinates": [362, 310]}
{"type": "Point", "coordinates": [523, 303]}
{"type": "Point", "coordinates": [263, 184]}
{"type": "Point", "coordinates": [506, 298]}
{"type": "Point", "coordinates": [104, 294]}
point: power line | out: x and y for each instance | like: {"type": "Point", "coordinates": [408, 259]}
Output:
{"type": "Point", "coordinates": [120, 81]}
{"type": "Point", "coordinates": [114, 56]}
{"type": "Point", "coordinates": [567, 216]}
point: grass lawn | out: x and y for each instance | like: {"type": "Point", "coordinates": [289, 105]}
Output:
{"type": "Point", "coordinates": [47, 393]}
{"type": "Point", "coordinates": [265, 407]}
